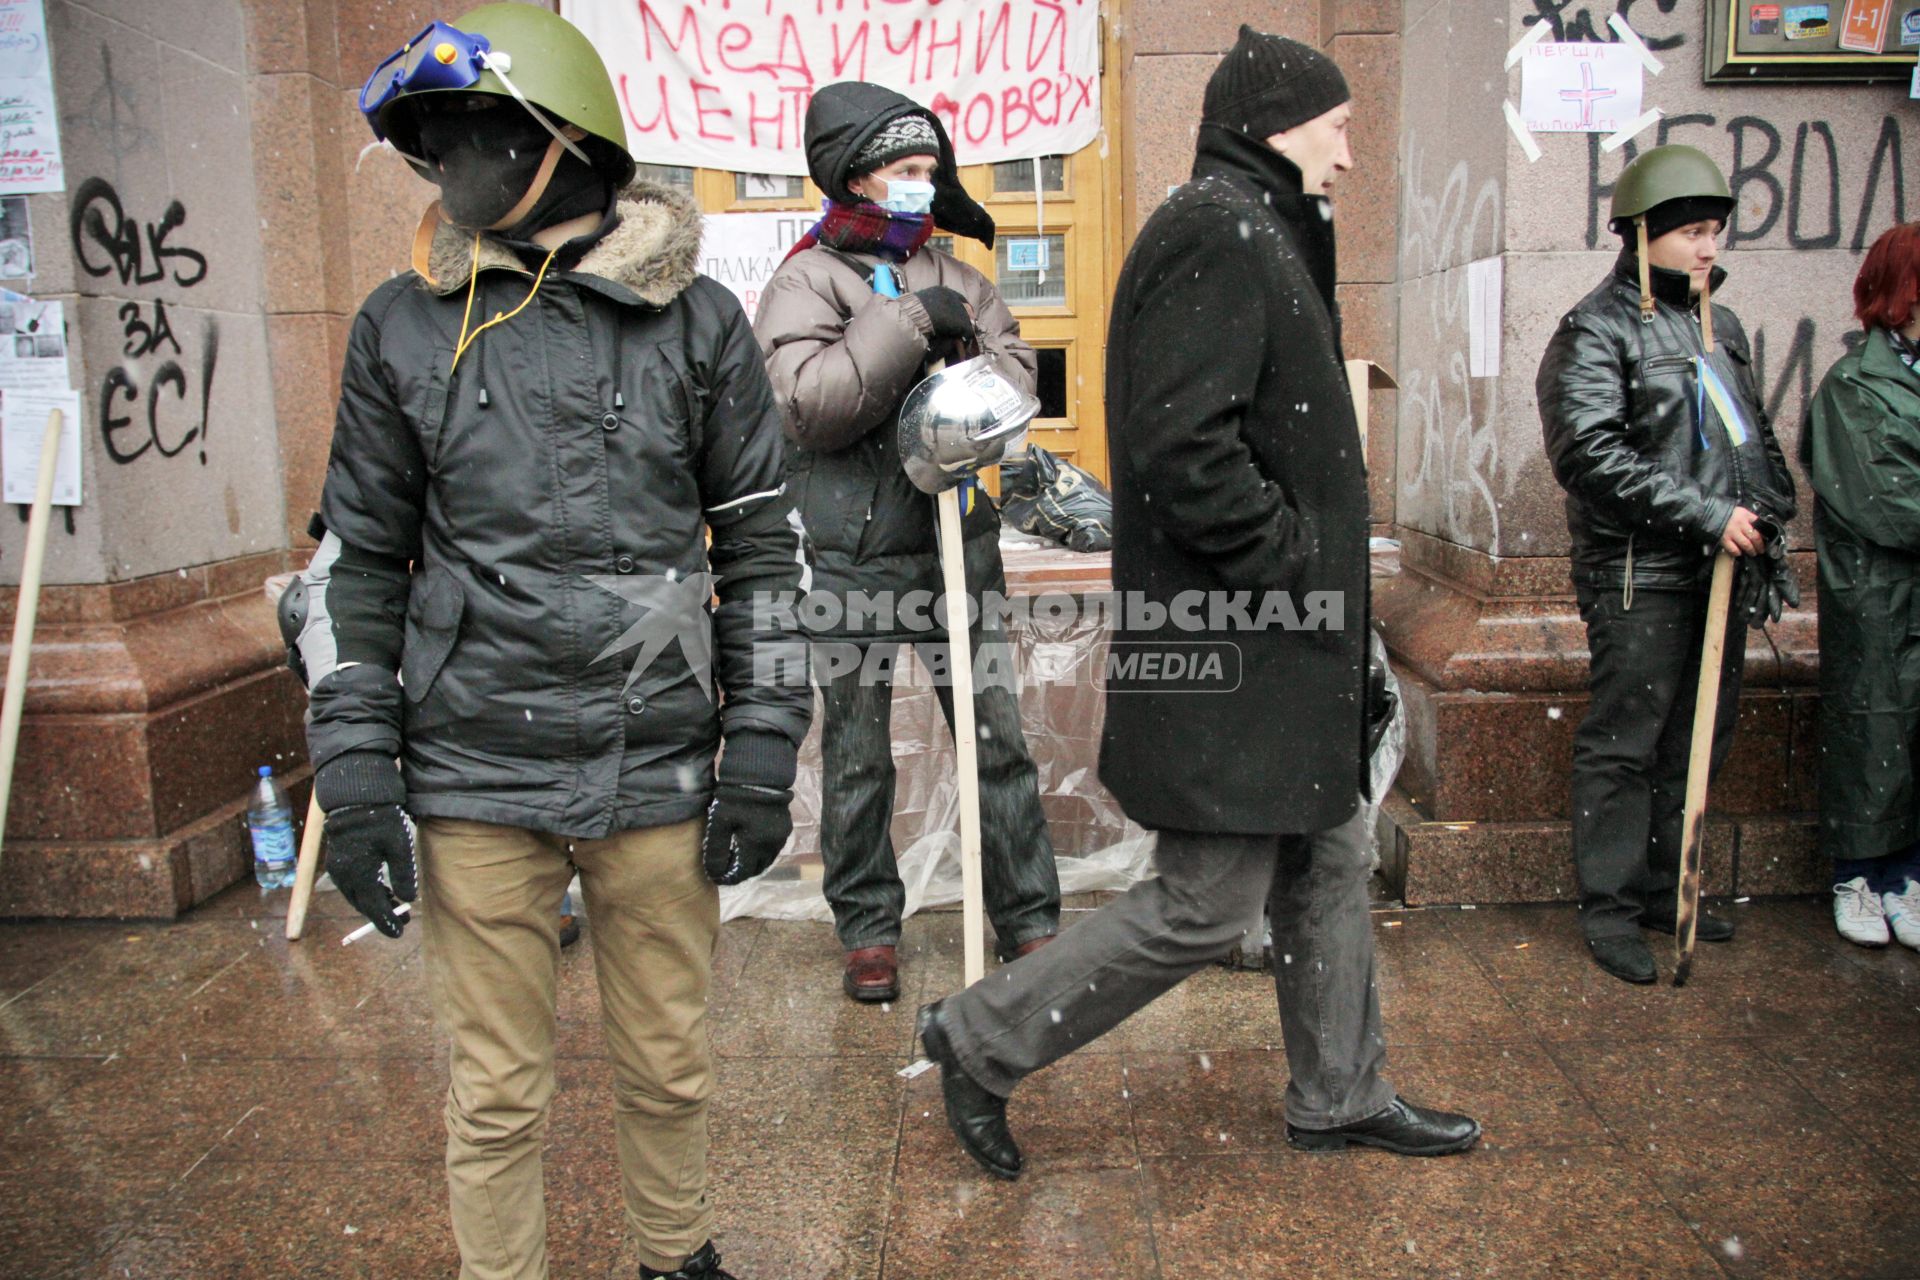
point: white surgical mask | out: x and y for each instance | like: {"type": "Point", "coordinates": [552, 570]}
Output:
{"type": "Point", "coordinates": [907, 196]}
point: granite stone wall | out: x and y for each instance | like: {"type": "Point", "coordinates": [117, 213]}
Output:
{"type": "Point", "coordinates": [1818, 173]}
{"type": "Point", "coordinates": [1171, 49]}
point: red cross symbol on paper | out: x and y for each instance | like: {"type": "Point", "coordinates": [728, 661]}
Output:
{"type": "Point", "coordinates": [1586, 95]}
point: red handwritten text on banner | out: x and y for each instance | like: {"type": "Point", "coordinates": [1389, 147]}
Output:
{"type": "Point", "coordinates": [725, 84]}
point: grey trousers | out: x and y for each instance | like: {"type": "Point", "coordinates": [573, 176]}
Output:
{"type": "Point", "coordinates": [1204, 899]}
{"type": "Point", "coordinates": [862, 883]}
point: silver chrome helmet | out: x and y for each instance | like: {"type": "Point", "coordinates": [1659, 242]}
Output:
{"type": "Point", "coordinates": [960, 420]}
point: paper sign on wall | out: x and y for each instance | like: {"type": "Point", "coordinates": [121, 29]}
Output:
{"type": "Point", "coordinates": [742, 250]}
{"type": "Point", "coordinates": [1484, 281]}
{"type": "Point", "coordinates": [23, 429]}
{"type": "Point", "coordinates": [33, 344]}
{"type": "Point", "coordinates": [1028, 255]}
{"type": "Point", "coordinates": [29, 120]}
{"type": "Point", "coordinates": [1579, 87]}
{"type": "Point", "coordinates": [1863, 29]}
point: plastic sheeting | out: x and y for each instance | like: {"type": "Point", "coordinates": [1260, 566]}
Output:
{"type": "Point", "coordinates": [1061, 711]}
{"type": "Point", "coordinates": [1057, 656]}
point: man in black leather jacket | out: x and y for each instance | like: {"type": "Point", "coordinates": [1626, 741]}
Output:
{"type": "Point", "coordinates": [1656, 429]}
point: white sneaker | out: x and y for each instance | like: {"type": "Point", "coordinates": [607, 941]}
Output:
{"type": "Point", "coordinates": [1903, 913]}
{"type": "Point", "coordinates": [1859, 914]}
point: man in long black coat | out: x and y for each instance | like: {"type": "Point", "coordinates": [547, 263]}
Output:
{"type": "Point", "coordinates": [1236, 717]}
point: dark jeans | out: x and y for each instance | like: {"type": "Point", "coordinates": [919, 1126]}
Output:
{"type": "Point", "coordinates": [1630, 751]}
{"type": "Point", "coordinates": [1021, 883]}
{"type": "Point", "coordinates": [1883, 875]}
{"type": "Point", "coordinates": [1206, 897]}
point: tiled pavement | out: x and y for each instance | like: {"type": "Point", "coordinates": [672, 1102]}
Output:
{"type": "Point", "coordinates": [204, 1099]}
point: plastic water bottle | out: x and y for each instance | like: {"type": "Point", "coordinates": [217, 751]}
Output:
{"type": "Point", "coordinates": [270, 820]}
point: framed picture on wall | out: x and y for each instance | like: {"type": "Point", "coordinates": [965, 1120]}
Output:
{"type": "Point", "coordinates": [1751, 40]}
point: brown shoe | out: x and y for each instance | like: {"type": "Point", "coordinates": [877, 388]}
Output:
{"type": "Point", "coordinates": [1032, 945]}
{"type": "Point", "coordinates": [872, 975]}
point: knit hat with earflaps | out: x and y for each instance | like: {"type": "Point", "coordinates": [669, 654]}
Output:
{"type": "Point", "coordinates": [1267, 84]}
{"type": "Point", "coordinates": [908, 135]}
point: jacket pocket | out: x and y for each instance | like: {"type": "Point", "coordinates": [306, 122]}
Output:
{"type": "Point", "coordinates": [434, 609]}
{"type": "Point", "coordinates": [1654, 366]}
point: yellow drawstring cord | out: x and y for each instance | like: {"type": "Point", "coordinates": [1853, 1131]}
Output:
{"type": "Point", "coordinates": [468, 339]}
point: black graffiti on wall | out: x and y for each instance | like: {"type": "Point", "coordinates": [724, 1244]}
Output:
{"type": "Point", "coordinates": [1802, 365]}
{"type": "Point", "coordinates": [164, 431]}
{"type": "Point", "coordinates": [1791, 174]}
{"type": "Point", "coordinates": [166, 410]}
{"type": "Point", "coordinates": [106, 240]}
{"type": "Point", "coordinates": [1580, 23]}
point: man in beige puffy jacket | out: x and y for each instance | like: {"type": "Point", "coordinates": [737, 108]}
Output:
{"type": "Point", "coordinates": [849, 323]}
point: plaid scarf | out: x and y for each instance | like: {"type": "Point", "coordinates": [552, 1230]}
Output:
{"type": "Point", "coordinates": [1903, 347]}
{"type": "Point", "coordinates": [867, 228]}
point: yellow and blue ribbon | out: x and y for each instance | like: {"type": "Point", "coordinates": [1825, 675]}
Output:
{"type": "Point", "coordinates": [1713, 391]}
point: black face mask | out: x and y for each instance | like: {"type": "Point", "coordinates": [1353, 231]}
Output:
{"type": "Point", "coordinates": [484, 154]}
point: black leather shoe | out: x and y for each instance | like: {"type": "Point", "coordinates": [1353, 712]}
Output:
{"type": "Point", "coordinates": [1708, 929]}
{"type": "Point", "coordinates": [704, 1265]}
{"type": "Point", "coordinates": [977, 1117]}
{"type": "Point", "coordinates": [1625, 956]}
{"type": "Point", "coordinates": [1402, 1128]}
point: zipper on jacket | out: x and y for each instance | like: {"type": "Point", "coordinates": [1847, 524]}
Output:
{"type": "Point", "coordinates": [1626, 590]}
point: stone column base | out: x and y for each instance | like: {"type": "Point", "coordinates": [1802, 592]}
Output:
{"type": "Point", "coordinates": [149, 706]}
{"type": "Point", "coordinates": [1491, 657]}
{"type": "Point", "coordinates": [1429, 863]}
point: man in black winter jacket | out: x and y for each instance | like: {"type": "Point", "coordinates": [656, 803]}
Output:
{"type": "Point", "coordinates": [1656, 430]}
{"type": "Point", "coordinates": [1240, 533]}
{"type": "Point", "coordinates": [539, 429]}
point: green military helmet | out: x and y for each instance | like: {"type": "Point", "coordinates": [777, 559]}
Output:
{"type": "Point", "coordinates": [552, 64]}
{"type": "Point", "coordinates": [1672, 172]}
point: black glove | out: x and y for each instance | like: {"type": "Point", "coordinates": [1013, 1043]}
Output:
{"type": "Point", "coordinates": [746, 829]}
{"type": "Point", "coordinates": [368, 834]}
{"type": "Point", "coordinates": [947, 309]}
{"type": "Point", "coordinates": [748, 822]}
{"type": "Point", "coordinates": [1766, 586]}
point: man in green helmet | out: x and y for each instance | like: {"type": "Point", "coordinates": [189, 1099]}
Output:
{"type": "Point", "coordinates": [554, 438]}
{"type": "Point", "coordinates": [1656, 430]}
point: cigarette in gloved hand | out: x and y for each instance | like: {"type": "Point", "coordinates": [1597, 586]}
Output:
{"type": "Point", "coordinates": [369, 926]}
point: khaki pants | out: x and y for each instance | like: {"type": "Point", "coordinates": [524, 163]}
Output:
{"type": "Point", "coordinates": [491, 913]}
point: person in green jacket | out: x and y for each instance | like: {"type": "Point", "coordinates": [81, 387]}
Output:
{"type": "Point", "coordinates": [1862, 448]}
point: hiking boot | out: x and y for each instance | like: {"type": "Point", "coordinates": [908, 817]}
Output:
{"type": "Point", "coordinates": [704, 1265]}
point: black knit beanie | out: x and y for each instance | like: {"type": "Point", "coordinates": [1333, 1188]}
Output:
{"type": "Point", "coordinates": [1681, 212]}
{"type": "Point", "coordinates": [1268, 84]}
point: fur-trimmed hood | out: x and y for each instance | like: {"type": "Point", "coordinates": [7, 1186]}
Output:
{"type": "Point", "coordinates": [654, 251]}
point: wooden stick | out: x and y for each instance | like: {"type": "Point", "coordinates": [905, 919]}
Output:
{"type": "Point", "coordinates": [1706, 704]}
{"type": "Point", "coordinates": [307, 870]}
{"type": "Point", "coordinates": [13, 706]}
{"type": "Point", "coordinates": [965, 743]}
{"type": "Point", "coordinates": [1706, 314]}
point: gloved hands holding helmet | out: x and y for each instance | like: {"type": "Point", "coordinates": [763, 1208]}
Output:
{"type": "Point", "coordinates": [371, 842]}
{"type": "Point", "coordinates": [1765, 587]}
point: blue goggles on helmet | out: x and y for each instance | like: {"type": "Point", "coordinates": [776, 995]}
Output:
{"type": "Point", "coordinates": [440, 57]}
